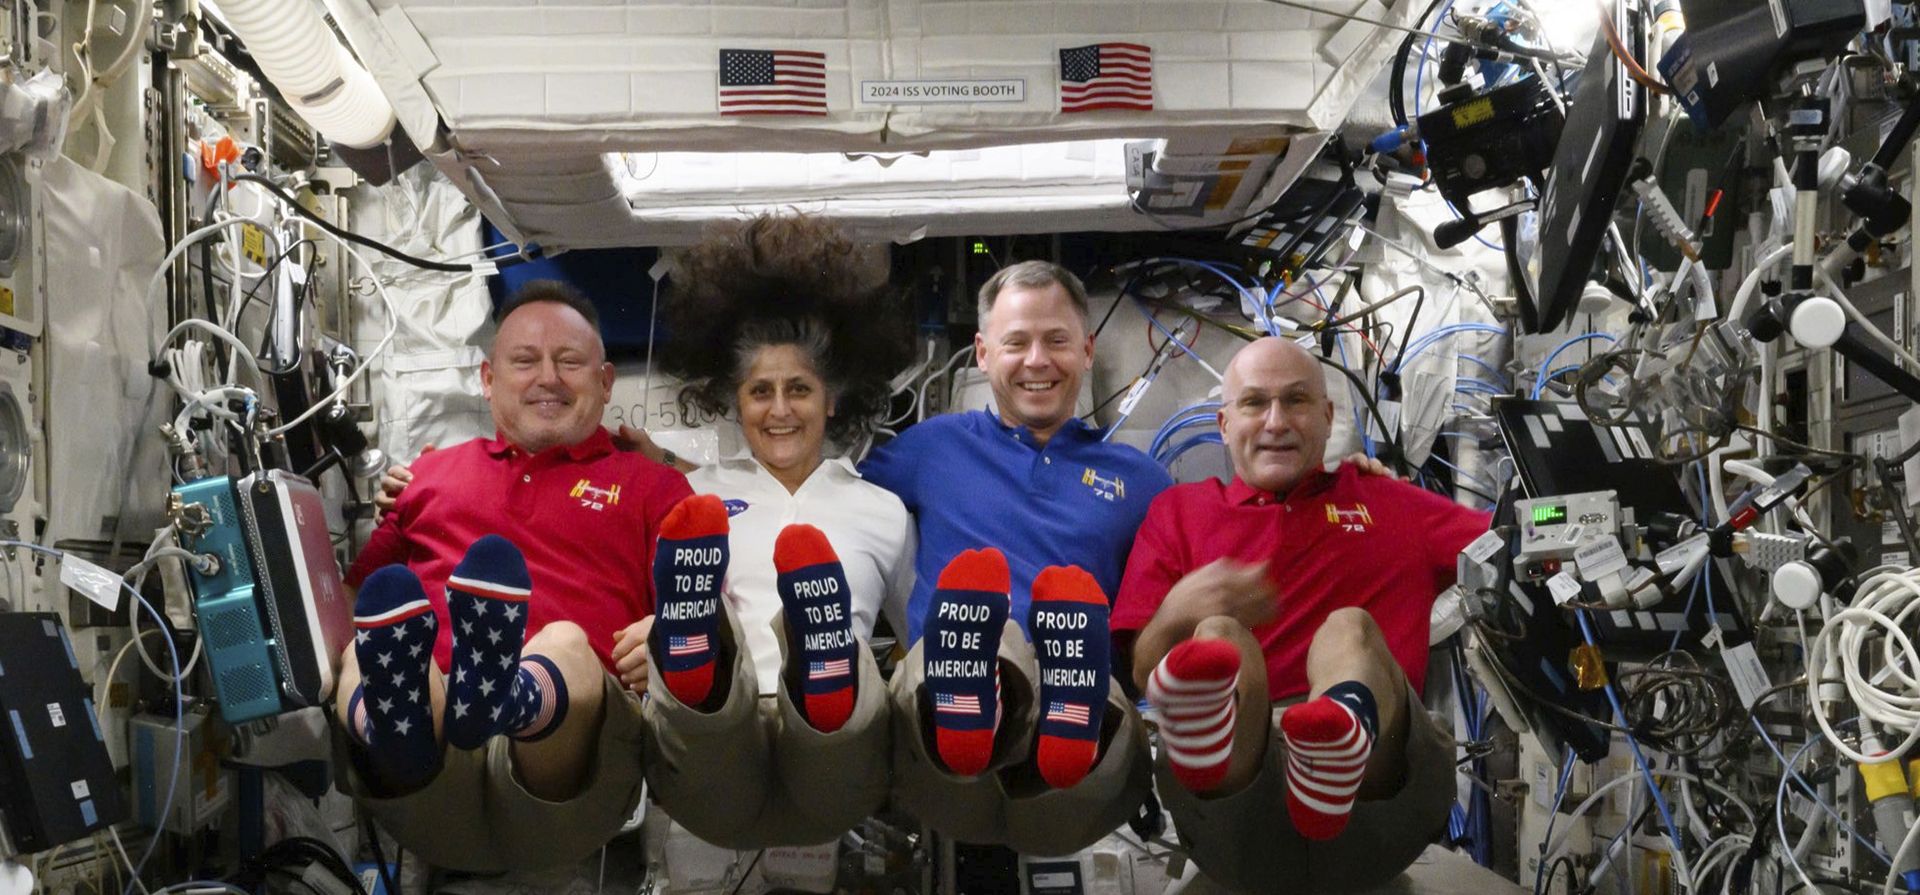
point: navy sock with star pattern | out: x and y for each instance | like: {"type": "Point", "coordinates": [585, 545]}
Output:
{"type": "Point", "coordinates": [391, 712]}
{"type": "Point", "coordinates": [487, 606]}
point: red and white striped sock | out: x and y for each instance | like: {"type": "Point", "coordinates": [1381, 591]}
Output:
{"type": "Point", "coordinates": [1194, 690]}
{"type": "Point", "coordinates": [1328, 743]}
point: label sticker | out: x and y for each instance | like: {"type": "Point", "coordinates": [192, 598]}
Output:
{"type": "Point", "coordinates": [56, 714]}
{"type": "Point", "coordinates": [92, 581]}
{"type": "Point", "coordinates": [1485, 546]}
{"type": "Point", "coordinates": [1563, 588]}
{"type": "Point", "coordinates": [956, 90]}
{"type": "Point", "coordinates": [80, 789]}
{"type": "Point", "coordinates": [253, 244]}
{"type": "Point", "coordinates": [1600, 559]}
{"type": "Point", "coordinates": [1749, 676]}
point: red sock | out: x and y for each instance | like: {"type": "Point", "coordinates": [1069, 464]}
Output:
{"type": "Point", "coordinates": [1328, 744]}
{"type": "Point", "coordinates": [1194, 690]}
{"type": "Point", "coordinates": [818, 613]}
{"type": "Point", "coordinates": [689, 564]}
{"type": "Point", "coordinates": [1068, 618]}
{"type": "Point", "coordinates": [961, 645]}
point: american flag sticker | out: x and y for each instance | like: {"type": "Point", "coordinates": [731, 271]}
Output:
{"type": "Point", "coordinates": [948, 703]}
{"type": "Point", "coordinates": [831, 668]}
{"type": "Point", "coordinates": [685, 646]}
{"type": "Point", "coordinates": [773, 82]}
{"type": "Point", "coordinates": [1070, 712]}
{"type": "Point", "coordinates": [1106, 76]}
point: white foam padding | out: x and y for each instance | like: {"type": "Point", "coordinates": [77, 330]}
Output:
{"type": "Point", "coordinates": [533, 94]}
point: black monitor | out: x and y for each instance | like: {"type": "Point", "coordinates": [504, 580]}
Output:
{"type": "Point", "coordinates": [1589, 171]}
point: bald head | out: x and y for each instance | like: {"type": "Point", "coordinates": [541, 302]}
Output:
{"type": "Point", "coordinates": [1266, 354]}
{"type": "Point", "coordinates": [1276, 415]}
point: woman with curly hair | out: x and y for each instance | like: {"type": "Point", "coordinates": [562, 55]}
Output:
{"type": "Point", "coordinates": [775, 324]}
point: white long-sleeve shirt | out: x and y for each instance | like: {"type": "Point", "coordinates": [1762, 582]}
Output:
{"type": "Point", "coordinates": [868, 526]}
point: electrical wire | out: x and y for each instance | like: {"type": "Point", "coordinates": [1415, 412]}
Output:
{"type": "Point", "coordinates": [179, 710]}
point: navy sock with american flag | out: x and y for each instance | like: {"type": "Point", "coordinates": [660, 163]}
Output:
{"type": "Point", "coordinates": [1068, 619]}
{"type": "Point", "coordinates": [1329, 740]}
{"type": "Point", "coordinates": [689, 565]}
{"type": "Point", "coordinates": [818, 613]}
{"type": "Point", "coordinates": [391, 712]}
{"type": "Point", "coordinates": [487, 606]}
{"type": "Point", "coordinates": [961, 643]}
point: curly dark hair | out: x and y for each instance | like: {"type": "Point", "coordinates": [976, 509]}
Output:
{"type": "Point", "coordinates": [784, 279]}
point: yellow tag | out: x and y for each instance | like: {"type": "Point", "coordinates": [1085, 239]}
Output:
{"type": "Point", "coordinates": [6, 301]}
{"type": "Point", "coordinates": [253, 244]}
{"type": "Point", "coordinates": [1258, 146]}
{"type": "Point", "coordinates": [1589, 667]}
{"type": "Point", "coordinates": [1473, 113]}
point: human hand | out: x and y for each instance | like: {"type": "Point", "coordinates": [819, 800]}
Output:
{"type": "Point", "coordinates": [392, 482]}
{"type": "Point", "coordinates": [630, 658]}
{"type": "Point", "coordinates": [636, 441]}
{"type": "Point", "coordinates": [1240, 591]}
{"type": "Point", "coordinates": [1368, 465]}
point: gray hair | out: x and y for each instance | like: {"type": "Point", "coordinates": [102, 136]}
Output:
{"type": "Point", "coordinates": [1033, 275]}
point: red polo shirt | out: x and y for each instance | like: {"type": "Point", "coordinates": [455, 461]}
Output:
{"type": "Point", "coordinates": [584, 515]}
{"type": "Point", "coordinates": [1338, 539]}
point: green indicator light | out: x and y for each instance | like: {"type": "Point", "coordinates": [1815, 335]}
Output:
{"type": "Point", "coordinates": [980, 248]}
{"type": "Point", "coordinates": [1549, 515]}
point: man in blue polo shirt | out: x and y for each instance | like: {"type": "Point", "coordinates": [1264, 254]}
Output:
{"type": "Point", "coordinates": [1040, 486]}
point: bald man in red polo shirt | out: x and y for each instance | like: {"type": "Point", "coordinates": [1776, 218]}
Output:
{"type": "Point", "coordinates": [547, 526]}
{"type": "Point", "coordinates": [1291, 583]}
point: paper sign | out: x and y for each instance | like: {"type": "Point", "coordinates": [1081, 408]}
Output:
{"type": "Point", "coordinates": [93, 582]}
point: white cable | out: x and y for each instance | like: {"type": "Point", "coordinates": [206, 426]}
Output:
{"type": "Point", "coordinates": [1853, 313]}
{"type": "Point", "coordinates": [340, 391]}
{"type": "Point", "coordinates": [1559, 842]}
{"type": "Point", "coordinates": [1899, 854]}
{"type": "Point", "coordinates": [160, 273]}
{"type": "Point", "coordinates": [1884, 604]}
{"type": "Point", "coordinates": [1752, 281]}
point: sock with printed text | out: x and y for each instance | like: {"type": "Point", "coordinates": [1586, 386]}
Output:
{"type": "Point", "coordinates": [487, 606]}
{"type": "Point", "coordinates": [689, 564]}
{"type": "Point", "coordinates": [391, 712]}
{"type": "Point", "coordinates": [818, 611]}
{"type": "Point", "coordinates": [1194, 690]}
{"type": "Point", "coordinates": [961, 643]}
{"type": "Point", "coordinates": [1068, 618]}
{"type": "Point", "coordinates": [1329, 740]}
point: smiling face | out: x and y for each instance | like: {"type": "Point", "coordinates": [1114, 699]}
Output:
{"type": "Point", "coordinates": [784, 406]}
{"type": "Point", "coordinates": [1276, 415]}
{"type": "Point", "coordinates": [1034, 348]}
{"type": "Point", "coordinates": [547, 378]}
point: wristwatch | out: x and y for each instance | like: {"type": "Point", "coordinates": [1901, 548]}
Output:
{"type": "Point", "coordinates": [669, 458]}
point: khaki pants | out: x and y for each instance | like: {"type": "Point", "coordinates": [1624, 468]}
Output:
{"type": "Point", "coordinates": [1245, 841]}
{"type": "Point", "coordinates": [1009, 804]}
{"type": "Point", "coordinates": [476, 816]}
{"type": "Point", "coordinates": [754, 773]}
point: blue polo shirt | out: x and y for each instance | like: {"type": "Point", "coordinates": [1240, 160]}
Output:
{"type": "Point", "coordinates": [972, 481]}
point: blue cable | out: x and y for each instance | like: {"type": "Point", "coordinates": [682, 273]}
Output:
{"type": "Point", "coordinates": [1141, 306]}
{"type": "Point", "coordinates": [1477, 386]}
{"type": "Point", "coordinates": [1359, 420]}
{"type": "Point", "coordinates": [1559, 798]}
{"type": "Point", "coordinates": [1434, 336]}
{"type": "Point", "coordinates": [1476, 360]}
{"type": "Point", "coordinates": [1185, 446]}
{"type": "Point", "coordinates": [179, 706]}
{"type": "Point", "coordinates": [1547, 364]}
{"type": "Point", "coordinates": [1461, 473]}
{"type": "Point", "coordinates": [1540, 385]}
{"type": "Point", "coordinates": [1620, 717]}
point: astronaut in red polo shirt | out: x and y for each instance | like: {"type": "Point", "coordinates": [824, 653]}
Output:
{"type": "Point", "coordinates": [1292, 583]}
{"type": "Point", "coordinates": [482, 728]}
